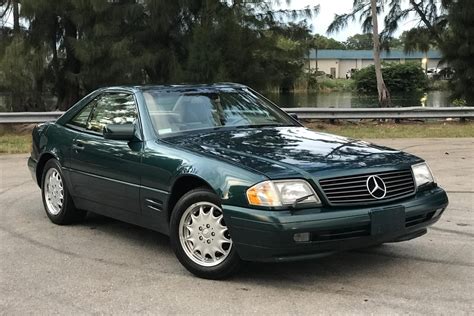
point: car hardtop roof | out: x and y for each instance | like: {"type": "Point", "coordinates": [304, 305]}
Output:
{"type": "Point", "coordinates": [191, 86]}
{"type": "Point", "coordinates": [176, 87]}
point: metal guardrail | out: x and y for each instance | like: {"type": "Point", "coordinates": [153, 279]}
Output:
{"type": "Point", "coordinates": [303, 113]}
{"type": "Point", "coordinates": [28, 117]}
{"type": "Point", "coordinates": [382, 113]}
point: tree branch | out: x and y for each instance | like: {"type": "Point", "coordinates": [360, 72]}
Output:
{"type": "Point", "coordinates": [6, 9]}
{"type": "Point", "coordinates": [426, 21]}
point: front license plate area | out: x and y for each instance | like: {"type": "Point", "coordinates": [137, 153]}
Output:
{"type": "Point", "coordinates": [387, 220]}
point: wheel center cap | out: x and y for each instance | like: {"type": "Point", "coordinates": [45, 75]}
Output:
{"type": "Point", "coordinates": [206, 233]}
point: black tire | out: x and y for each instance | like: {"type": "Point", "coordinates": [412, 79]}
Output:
{"type": "Point", "coordinates": [67, 212]}
{"type": "Point", "coordinates": [229, 266]}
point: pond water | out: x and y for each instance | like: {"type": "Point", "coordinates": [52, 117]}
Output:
{"type": "Point", "coordinates": [354, 100]}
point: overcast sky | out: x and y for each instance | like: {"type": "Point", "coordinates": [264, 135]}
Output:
{"type": "Point", "coordinates": [327, 10]}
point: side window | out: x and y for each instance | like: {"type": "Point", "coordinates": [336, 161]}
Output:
{"type": "Point", "coordinates": [113, 108]}
{"type": "Point", "coordinates": [81, 118]}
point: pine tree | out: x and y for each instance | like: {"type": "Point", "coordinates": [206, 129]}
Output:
{"type": "Point", "coordinates": [79, 46]}
{"type": "Point", "coordinates": [458, 49]}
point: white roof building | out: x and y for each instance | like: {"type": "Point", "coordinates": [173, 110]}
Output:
{"type": "Point", "coordinates": [338, 63]}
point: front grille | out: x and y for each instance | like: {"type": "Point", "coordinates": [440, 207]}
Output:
{"type": "Point", "coordinates": [353, 189]}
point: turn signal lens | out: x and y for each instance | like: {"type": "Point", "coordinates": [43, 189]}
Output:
{"type": "Point", "coordinates": [263, 194]}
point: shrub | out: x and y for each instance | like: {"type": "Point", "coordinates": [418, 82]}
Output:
{"type": "Point", "coordinates": [330, 85]}
{"type": "Point", "coordinates": [406, 77]}
{"type": "Point", "coordinates": [459, 102]}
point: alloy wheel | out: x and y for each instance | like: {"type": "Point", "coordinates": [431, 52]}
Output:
{"type": "Point", "coordinates": [53, 191]}
{"type": "Point", "coordinates": [204, 235]}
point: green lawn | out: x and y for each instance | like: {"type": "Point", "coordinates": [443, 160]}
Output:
{"type": "Point", "coordinates": [391, 130]}
{"type": "Point", "coordinates": [11, 143]}
{"type": "Point", "coordinates": [15, 144]}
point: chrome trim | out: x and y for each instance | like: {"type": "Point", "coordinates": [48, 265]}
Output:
{"type": "Point", "coordinates": [352, 190]}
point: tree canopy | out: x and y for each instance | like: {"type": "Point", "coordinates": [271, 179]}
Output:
{"type": "Point", "coordinates": [67, 48]}
{"type": "Point", "coordinates": [360, 41]}
{"type": "Point", "coordinates": [431, 15]}
{"type": "Point", "coordinates": [70, 47]}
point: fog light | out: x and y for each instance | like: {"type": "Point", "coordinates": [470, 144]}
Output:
{"type": "Point", "coordinates": [301, 237]}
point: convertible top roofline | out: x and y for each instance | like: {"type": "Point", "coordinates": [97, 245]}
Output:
{"type": "Point", "coordinates": [137, 88]}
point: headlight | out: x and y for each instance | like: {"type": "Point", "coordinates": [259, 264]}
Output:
{"type": "Point", "coordinates": [283, 192]}
{"type": "Point", "coordinates": [422, 174]}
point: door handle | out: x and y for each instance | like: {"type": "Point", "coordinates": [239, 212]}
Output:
{"type": "Point", "coordinates": [78, 146]}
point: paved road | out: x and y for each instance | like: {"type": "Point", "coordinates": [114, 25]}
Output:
{"type": "Point", "coordinates": [105, 266]}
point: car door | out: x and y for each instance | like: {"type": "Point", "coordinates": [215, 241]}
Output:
{"type": "Point", "coordinates": [104, 172]}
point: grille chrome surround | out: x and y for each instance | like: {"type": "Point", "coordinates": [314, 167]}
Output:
{"type": "Point", "coordinates": [353, 189]}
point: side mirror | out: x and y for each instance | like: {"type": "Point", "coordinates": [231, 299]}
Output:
{"type": "Point", "coordinates": [295, 116]}
{"type": "Point", "coordinates": [119, 131]}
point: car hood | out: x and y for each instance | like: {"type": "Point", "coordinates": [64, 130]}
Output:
{"type": "Point", "coordinates": [293, 151]}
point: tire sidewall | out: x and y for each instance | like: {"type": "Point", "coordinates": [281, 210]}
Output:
{"type": "Point", "coordinates": [223, 269]}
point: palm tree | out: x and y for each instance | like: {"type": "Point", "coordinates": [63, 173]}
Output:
{"type": "Point", "coordinates": [384, 94]}
{"type": "Point", "coordinates": [367, 11]}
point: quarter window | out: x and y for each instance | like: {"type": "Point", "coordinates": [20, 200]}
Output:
{"type": "Point", "coordinates": [82, 117]}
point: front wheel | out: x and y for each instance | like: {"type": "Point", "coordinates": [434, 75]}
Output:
{"type": "Point", "coordinates": [200, 237]}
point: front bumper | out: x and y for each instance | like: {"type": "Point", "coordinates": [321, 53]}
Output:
{"type": "Point", "coordinates": [32, 167]}
{"type": "Point", "coordinates": [261, 235]}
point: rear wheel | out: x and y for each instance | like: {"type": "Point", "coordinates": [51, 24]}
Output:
{"type": "Point", "coordinates": [200, 237]}
{"type": "Point", "coordinates": [57, 202]}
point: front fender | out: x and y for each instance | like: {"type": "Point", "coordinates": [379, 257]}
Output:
{"type": "Point", "coordinates": [229, 182]}
{"type": "Point", "coordinates": [165, 164]}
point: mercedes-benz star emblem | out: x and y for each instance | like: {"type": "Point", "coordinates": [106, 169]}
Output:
{"type": "Point", "coordinates": [376, 187]}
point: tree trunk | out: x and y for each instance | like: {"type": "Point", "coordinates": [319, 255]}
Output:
{"type": "Point", "coordinates": [16, 17]}
{"type": "Point", "coordinates": [69, 90]}
{"type": "Point", "coordinates": [18, 102]}
{"type": "Point", "coordinates": [58, 80]}
{"type": "Point", "coordinates": [384, 94]}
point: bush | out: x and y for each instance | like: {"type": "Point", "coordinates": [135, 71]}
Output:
{"type": "Point", "coordinates": [406, 77]}
{"type": "Point", "coordinates": [330, 85]}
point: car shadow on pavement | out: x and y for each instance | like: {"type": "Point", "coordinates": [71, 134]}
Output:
{"type": "Point", "coordinates": [126, 233]}
{"type": "Point", "coordinates": [335, 267]}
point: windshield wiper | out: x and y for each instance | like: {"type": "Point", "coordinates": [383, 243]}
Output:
{"type": "Point", "coordinates": [260, 125]}
{"type": "Point", "coordinates": [301, 199]}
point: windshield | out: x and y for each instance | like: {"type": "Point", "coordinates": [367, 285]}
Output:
{"type": "Point", "coordinates": [180, 111]}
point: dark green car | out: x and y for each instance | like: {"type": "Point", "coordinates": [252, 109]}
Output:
{"type": "Point", "coordinates": [228, 176]}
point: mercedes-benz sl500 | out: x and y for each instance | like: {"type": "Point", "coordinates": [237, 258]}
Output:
{"type": "Point", "coordinates": [228, 175]}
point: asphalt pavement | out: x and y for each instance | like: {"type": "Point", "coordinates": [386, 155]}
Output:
{"type": "Point", "coordinates": [104, 266]}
